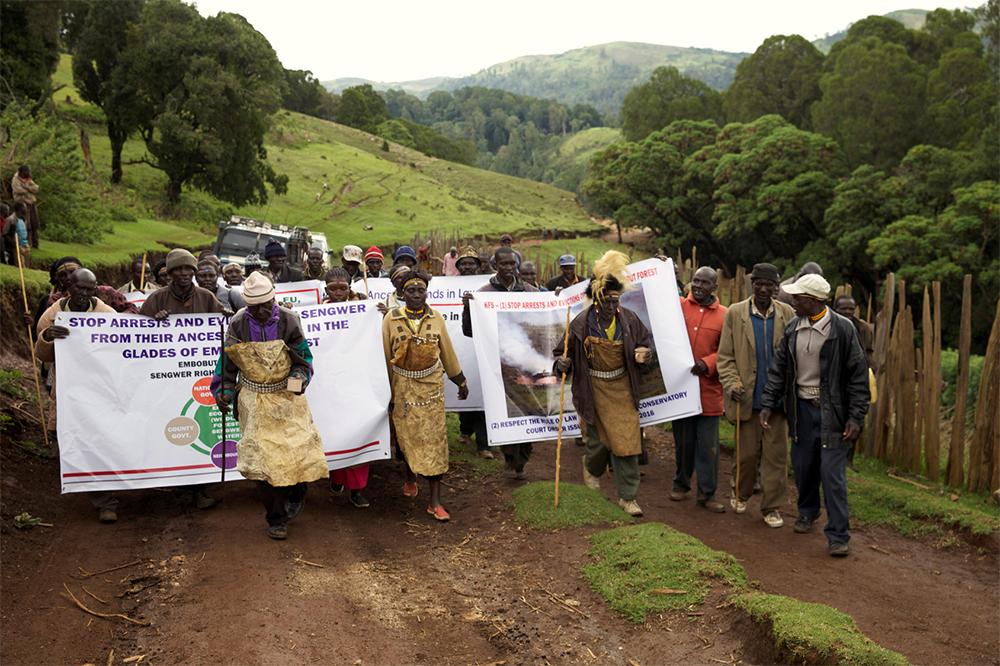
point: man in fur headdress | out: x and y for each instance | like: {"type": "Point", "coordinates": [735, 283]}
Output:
{"type": "Point", "coordinates": [607, 346]}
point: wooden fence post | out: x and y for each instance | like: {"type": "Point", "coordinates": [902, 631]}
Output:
{"type": "Point", "coordinates": [956, 452]}
{"type": "Point", "coordinates": [930, 397]}
{"type": "Point", "coordinates": [877, 433]}
{"type": "Point", "coordinates": [985, 447]}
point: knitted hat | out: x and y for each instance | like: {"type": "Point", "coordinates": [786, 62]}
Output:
{"type": "Point", "coordinates": [374, 253]}
{"type": "Point", "coordinates": [180, 257]}
{"type": "Point", "coordinates": [257, 289]}
{"type": "Point", "coordinates": [274, 249]}
{"type": "Point", "coordinates": [766, 272]}
{"type": "Point", "coordinates": [811, 285]}
{"type": "Point", "coordinates": [405, 251]}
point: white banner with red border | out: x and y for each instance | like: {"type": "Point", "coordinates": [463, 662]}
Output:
{"type": "Point", "coordinates": [135, 410]}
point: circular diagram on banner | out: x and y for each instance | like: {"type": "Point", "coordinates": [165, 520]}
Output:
{"type": "Point", "coordinates": [200, 426]}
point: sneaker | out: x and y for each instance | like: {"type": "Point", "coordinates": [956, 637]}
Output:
{"type": "Point", "coordinates": [738, 505]}
{"type": "Point", "coordinates": [508, 471]}
{"type": "Point", "coordinates": [358, 500]}
{"type": "Point", "coordinates": [631, 507]}
{"type": "Point", "coordinates": [773, 519]}
{"type": "Point", "coordinates": [439, 513]}
{"type": "Point", "coordinates": [464, 440]}
{"type": "Point", "coordinates": [107, 516]}
{"type": "Point", "coordinates": [277, 532]}
{"type": "Point", "coordinates": [589, 479]}
{"type": "Point", "coordinates": [802, 524]}
{"type": "Point", "coordinates": [519, 475]}
{"type": "Point", "coordinates": [410, 489]}
{"type": "Point", "coordinates": [203, 501]}
{"type": "Point", "coordinates": [712, 505]}
{"type": "Point", "coordinates": [838, 549]}
{"type": "Point", "coordinates": [293, 509]}
{"type": "Point", "coordinates": [487, 454]}
{"type": "Point", "coordinates": [678, 495]}
{"type": "Point", "coordinates": [337, 489]}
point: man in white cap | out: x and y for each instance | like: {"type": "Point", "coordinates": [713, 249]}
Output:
{"type": "Point", "coordinates": [351, 257]}
{"type": "Point", "coordinates": [819, 379]}
{"type": "Point", "coordinates": [263, 374]}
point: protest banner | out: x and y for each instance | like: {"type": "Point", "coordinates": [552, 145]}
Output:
{"type": "Point", "coordinates": [299, 294]}
{"type": "Point", "coordinates": [135, 408]}
{"type": "Point", "coordinates": [516, 334]}
{"type": "Point", "coordinates": [444, 294]}
{"type": "Point", "coordinates": [136, 298]}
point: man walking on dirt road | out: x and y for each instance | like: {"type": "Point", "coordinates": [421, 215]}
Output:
{"type": "Point", "coordinates": [752, 331]}
{"type": "Point", "coordinates": [819, 379]}
{"type": "Point", "coordinates": [82, 290]}
{"type": "Point", "coordinates": [696, 438]}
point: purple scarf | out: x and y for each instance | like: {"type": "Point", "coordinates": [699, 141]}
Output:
{"type": "Point", "coordinates": [265, 332]}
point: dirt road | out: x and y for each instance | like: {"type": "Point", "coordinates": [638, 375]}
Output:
{"type": "Point", "coordinates": [387, 585]}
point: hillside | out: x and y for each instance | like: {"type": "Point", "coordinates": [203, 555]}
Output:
{"type": "Point", "coordinates": [599, 75]}
{"type": "Point", "coordinates": [911, 18]}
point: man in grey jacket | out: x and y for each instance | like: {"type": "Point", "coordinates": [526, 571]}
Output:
{"type": "Point", "coordinates": [819, 379]}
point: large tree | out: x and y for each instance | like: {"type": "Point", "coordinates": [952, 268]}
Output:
{"type": "Point", "coordinates": [782, 77]}
{"type": "Point", "coordinates": [666, 97]}
{"type": "Point", "coordinates": [361, 107]}
{"type": "Point", "coordinates": [204, 90]}
{"type": "Point", "coordinates": [100, 35]}
{"type": "Point", "coordinates": [29, 50]}
{"type": "Point", "coordinates": [873, 102]}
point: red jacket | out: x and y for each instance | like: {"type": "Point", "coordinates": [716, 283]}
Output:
{"type": "Point", "coordinates": [704, 327]}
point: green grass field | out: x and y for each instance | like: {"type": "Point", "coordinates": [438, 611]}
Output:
{"type": "Point", "coordinates": [341, 183]}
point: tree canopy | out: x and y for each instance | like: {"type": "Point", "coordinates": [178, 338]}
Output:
{"type": "Point", "coordinates": [666, 97]}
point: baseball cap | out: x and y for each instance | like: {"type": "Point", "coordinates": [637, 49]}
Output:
{"type": "Point", "coordinates": [567, 260]}
{"type": "Point", "coordinates": [352, 253]}
{"type": "Point", "coordinates": [812, 285]}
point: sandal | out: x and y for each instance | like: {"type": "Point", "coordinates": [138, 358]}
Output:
{"type": "Point", "coordinates": [410, 489]}
{"type": "Point", "coordinates": [439, 513]}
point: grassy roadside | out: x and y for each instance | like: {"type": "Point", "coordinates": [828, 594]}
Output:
{"type": "Point", "coordinates": [578, 506]}
{"type": "Point", "coordinates": [651, 568]}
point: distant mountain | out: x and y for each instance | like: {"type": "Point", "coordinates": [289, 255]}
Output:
{"type": "Point", "coordinates": [420, 87]}
{"type": "Point", "coordinates": [598, 75]}
{"type": "Point", "coordinates": [911, 18]}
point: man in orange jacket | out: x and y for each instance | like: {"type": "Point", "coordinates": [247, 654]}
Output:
{"type": "Point", "coordinates": [696, 438]}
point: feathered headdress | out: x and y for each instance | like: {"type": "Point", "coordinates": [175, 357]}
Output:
{"type": "Point", "coordinates": [609, 273]}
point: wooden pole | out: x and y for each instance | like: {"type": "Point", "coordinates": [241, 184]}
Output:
{"type": "Point", "coordinates": [875, 444]}
{"type": "Point", "coordinates": [44, 423]}
{"type": "Point", "coordinates": [984, 450]}
{"type": "Point", "coordinates": [932, 413]}
{"type": "Point", "coordinates": [956, 452]}
{"type": "Point", "coordinates": [562, 405]}
{"type": "Point", "coordinates": [739, 496]}
{"type": "Point", "coordinates": [142, 274]}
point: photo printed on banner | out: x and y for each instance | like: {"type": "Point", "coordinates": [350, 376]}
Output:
{"type": "Point", "coordinates": [526, 360]}
{"type": "Point", "coordinates": [650, 377]}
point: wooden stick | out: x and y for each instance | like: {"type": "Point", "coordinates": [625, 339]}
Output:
{"type": "Point", "coordinates": [106, 616]}
{"type": "Point", "coordinates": [562, 405]}
{"type": "Point", "coordinates": [93, 595]}
{"type": "Point", "coordinates": [31, 345]}
{"type": "Point", "coordinates": [739, 405]}
{"type": "Point", "coordinates": [909, 481]}
{"type": "Point", "coordinates": [956, 451]}
{"type": "Point", "coordinates": [142, 274]}
{"type": "Point", "coordinates": [87, 574]}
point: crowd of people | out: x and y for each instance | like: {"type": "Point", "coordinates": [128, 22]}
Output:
{"type": "Point", "coordinates": [781, 364]}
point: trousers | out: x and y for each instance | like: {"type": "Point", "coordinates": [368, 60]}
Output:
{"type": "Point", "coordinates": [474, 424]}
{"type": "Point", "coordinates": [696, 448]}
{"type": "Point", "coordinates": [625, 469]}
{"type": "Point", "coordinates": [274, 499]}
{"type": "Point", "coordinates": [516, 455]}
{"type": "Point", "coordinates": [820, 466]}
{"type": "Point", "coordinates": [768, 450]}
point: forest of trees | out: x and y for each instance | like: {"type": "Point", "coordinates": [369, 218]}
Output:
{"type": "Point", "coordinates": [881, 156]}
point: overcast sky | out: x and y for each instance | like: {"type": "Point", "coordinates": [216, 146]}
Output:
{"type": "Point", "coordinates": [399, 40]}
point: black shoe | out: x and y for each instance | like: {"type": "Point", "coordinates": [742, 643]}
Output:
{"type": "Point", "coordinates": [358, 500]}
{"type": "Point", "coordinates": [203, 501]}
{"type": "Point", "coordinates": [838, 549]}
{"type": "Point", "coordinates": [712, 505]}
{"type": "Point", "coordinates": [277, 532]}
{"type": "Point", "coordinates": [802, 525]}
{"type": "Point", "coordinates": [293, 509]}
{"type": "Point", "coordinates": [337, 489]}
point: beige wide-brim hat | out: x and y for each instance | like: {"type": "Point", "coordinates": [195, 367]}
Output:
{"type": "Point", "coordinates": [257, 289]}
{"type": "Point", "coordinates": [811, 285]}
